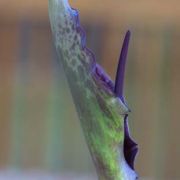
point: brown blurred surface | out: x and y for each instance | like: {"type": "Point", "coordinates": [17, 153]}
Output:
{"type": "Point", "coordinates": [146, 11]}
{"type": "Point", "coordinates": [39, 126]}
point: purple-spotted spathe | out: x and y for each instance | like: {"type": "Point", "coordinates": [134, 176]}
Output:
{"type": "Point", "coordinates": [99, 103]}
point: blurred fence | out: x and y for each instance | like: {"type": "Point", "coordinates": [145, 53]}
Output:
{"type": "Point", "coordinates": [39, 126]}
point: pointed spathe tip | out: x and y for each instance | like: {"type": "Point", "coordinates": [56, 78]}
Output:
{"type": "Point", "coordinates": [128, 33]}
{"type": "Point", "coordinates": [119, 82]}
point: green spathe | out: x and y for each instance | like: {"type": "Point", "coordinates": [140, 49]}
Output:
{"type": "Point", "coordinates": [100, 112]}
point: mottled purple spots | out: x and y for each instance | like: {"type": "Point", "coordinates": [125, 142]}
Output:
{"type": "Point", "coordinates": [81, 72]}
{"type": "Point", "coordinates": [81, 32]}
{"type": "Point", "coordinates": [68, 30]}
{"type": "Point", "coordinates": [75, 37]}
{"type": "Point", "coordinates": [73, 27]}
{"type": "Point", "coordinates": [59, 26]}
{"type": "Point", "coordinates": [73, 61]}
{"type": "Point", "coordinates": [90, 86]}
{"type": "Point", "coordinates": [66, 53]}
{"type": "Point", "coordinates": [73, 46]}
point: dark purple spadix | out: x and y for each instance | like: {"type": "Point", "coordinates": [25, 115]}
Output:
{"type": "Point", "coordinates": [119, 82]}
{"type": "Point", "coordinates": [130, 146]}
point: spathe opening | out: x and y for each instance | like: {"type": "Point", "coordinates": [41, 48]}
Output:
{"type": "Point", "coordinates": [130, 147]}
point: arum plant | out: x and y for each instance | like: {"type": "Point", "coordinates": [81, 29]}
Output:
{"type": "Point", "coordinates": [99, 102]}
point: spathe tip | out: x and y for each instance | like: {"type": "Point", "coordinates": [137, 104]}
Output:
{"type": "Point", "coordinates": [119, 82]}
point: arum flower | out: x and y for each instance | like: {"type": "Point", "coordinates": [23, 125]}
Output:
{"type": "Point", "coordinates": [99, 102]}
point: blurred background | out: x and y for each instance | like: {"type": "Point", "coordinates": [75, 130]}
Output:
{"type": "Point", "coordinates": [39, 127]}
